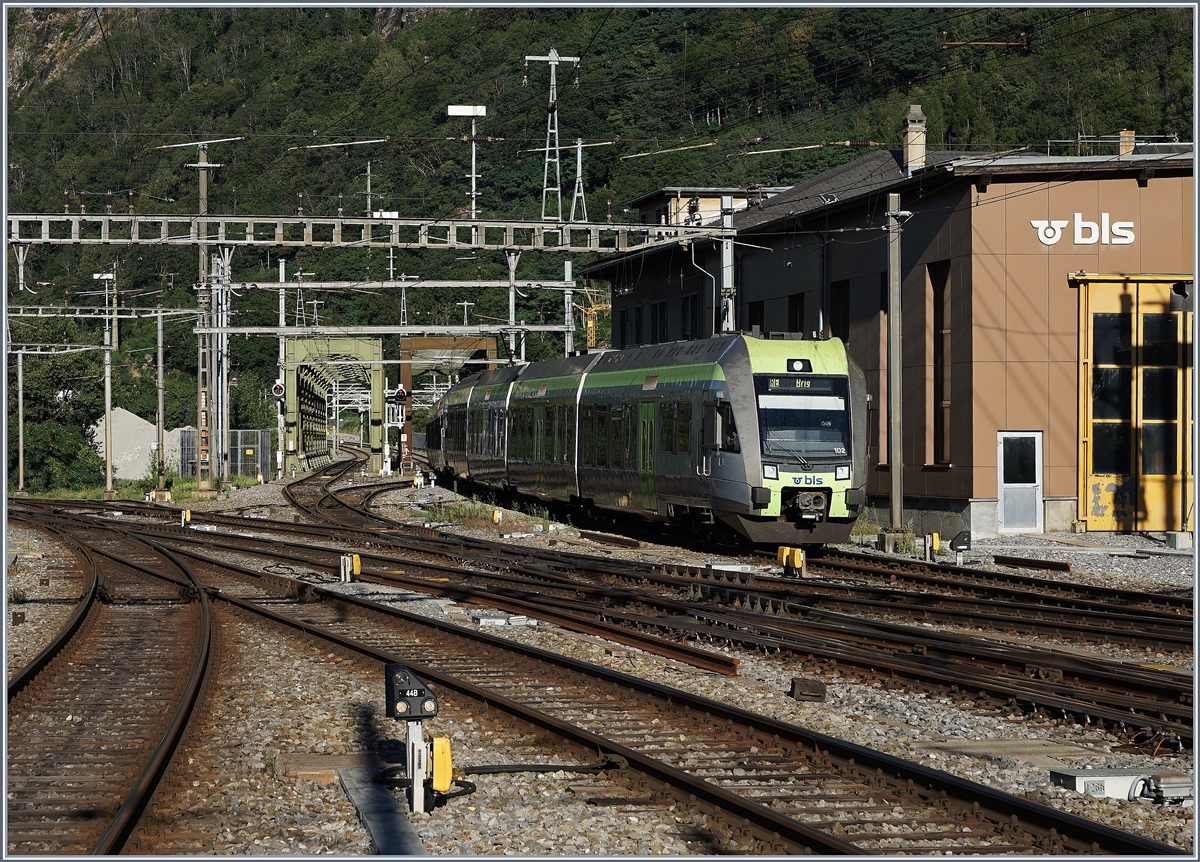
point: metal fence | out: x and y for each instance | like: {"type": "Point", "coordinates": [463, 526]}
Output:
{"type": "Point", "coordinates": [249, 452]}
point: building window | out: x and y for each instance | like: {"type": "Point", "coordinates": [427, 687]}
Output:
{"type": "Point", "coordinates": [755, 315]}
{"type": "Point", "coordinates": [658, 321]}
{"type": "Point", "coordinates": [939, 281]}
{"type": "Point", "coordinates": [839, 310]}
{"type": "Point", "coordinates": [796, 312]}
{"type": "Point", "coordinates": [691, 316]}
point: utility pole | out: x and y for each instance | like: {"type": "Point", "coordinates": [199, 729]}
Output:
{"type": "Point", "coordinates": [21, 421]}
{"type": "Point", "coordinates": [578, 195]}
{"type": "Point", "coordinates": [205, 359]}
{"type": "Point", "coordinates": [552, 132]}
{"type": "Point", "coordinates": [471, 111]}
{"type": "Point", "coordinates": [728, 290]}
{"type": "Point", "coordinates": [569, 311]}
{"type": "Point", "coordinates": [161, 496]}
{"type": "Point", "coordinates": [109, 318]}
{"type": "Point", "coordinates": [108, 482]}
{"type": "Point", "coordinates": [513, 256]}
{"type": "Point", "coordinates": [282, 365]}
{"type": "Point", "coordinates": [465, 306]}
{"type": "Point", "coordinates": [895, 378]}
{"type": "Point", "coordinates": [223, 292]}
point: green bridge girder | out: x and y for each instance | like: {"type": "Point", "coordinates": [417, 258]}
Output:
{"type": "Point", "coordinates": [308, 377]}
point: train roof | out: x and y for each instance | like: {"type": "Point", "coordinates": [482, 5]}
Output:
{"type": "Point", "coordinates": [653, 355]}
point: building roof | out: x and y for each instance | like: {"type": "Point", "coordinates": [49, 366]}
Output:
{"type": "Point", "coordinates": [1025, 162]}
{"type": "Point", "coordinates": [868, 174]}
{"type": "Point", "coordinates": [881, 171]}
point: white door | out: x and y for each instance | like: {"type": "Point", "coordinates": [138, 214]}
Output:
{"type": "Point", "coordinates": [1019, 469]}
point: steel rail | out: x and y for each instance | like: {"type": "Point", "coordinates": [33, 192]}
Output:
{"type": "Point", "coordinates": [948, 662]}
{"type": "Point", "coordinates": [125, 820]}
{"type": "Point", "coordinates": [149, 774]}
{"type": "Point", "coordinates": [945, 574]}
{"type": "Point", "coordinates": [1084, 834]}
{"type": "Point", "coordinates": [685, 653]}
{"type": "Point", "coordinates": [1072, 832]}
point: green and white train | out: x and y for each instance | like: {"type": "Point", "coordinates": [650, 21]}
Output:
{"type": "Point", "coordinates": [764, 437]}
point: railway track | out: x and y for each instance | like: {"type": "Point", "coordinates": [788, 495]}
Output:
{"type": "Point", "coordinates": [796, 775]}
{"type": "Point", "coordinates": [1150, 707]}
{"type": "Point", "coordinates": [93, 719]}
{"type": "Point", "coordinates": [791, 790]}
{"type": "Point", "coordinates": [794, 791]}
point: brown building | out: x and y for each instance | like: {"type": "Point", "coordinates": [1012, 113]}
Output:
{"type": "Point", "coordinates": [1046, 313]}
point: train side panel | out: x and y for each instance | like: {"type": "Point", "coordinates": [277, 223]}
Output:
{"type": "Point", "coordinates": [543, 419]}
{"type": "Point", "coordinates": [487, 425]}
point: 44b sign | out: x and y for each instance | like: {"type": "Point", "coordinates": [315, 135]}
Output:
{"type": "Point", "coordinates": [1106, 232]}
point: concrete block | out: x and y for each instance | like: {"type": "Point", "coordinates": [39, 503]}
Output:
{"type": "Point", "coordinates": [1179, 541]}
{"type": "Point", "coordinates": [807, 689]}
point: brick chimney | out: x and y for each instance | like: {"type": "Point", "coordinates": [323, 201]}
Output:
{"type": "Point", "coordinates": [914, 140]}
{"type": "Point", "coordinates": [1128, 136]}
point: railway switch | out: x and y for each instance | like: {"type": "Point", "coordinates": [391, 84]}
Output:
{"type": "Point", "coordinates": [793, 561]}
{"type": "Point", "coordinates": [932, 544]}
{"type": "Point", "coordinates": [349, 565]}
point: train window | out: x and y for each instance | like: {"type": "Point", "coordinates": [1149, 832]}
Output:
{"type": "Point", "coordinates": [683, 428]}
{"type": "Point", "coordinates": [631, 437]}
{"type": "Point", "coordinates": [587, 427]}
{"type": "Point", "coordinates": [666, 427]}
{"type": "Point", "coordinates": [729, 435]}
{"type": "Point", "coordinates": [602, 435]}
{"type": "Point", "coordinates": [617, 445]}
{"type": "Point", "coordinates": [570, 433]}
{"type": "Point", "coordinates": [803, 416]}
{"type": "Point", "coordinates": [523, 435]}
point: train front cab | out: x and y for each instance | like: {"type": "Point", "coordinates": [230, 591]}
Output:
{"type": "Point", "coordinates": [801, 480]}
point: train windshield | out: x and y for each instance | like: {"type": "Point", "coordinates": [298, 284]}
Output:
{"type": "Point", "coordinates": [803, 416]}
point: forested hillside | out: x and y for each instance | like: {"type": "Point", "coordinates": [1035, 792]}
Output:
{"type": "Point", "coordinates": [670, 97]}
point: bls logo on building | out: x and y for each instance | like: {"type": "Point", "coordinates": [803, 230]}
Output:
{"type": "Point", "coordinates": [1086, 232]}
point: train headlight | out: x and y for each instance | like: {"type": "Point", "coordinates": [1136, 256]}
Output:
{"type": "Point", "coordinates": [843, 471]}
{"type": "Point", "coordinates": [770, 471]}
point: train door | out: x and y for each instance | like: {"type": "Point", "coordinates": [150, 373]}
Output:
{"type": "Point", "coordinates": [1019, 460]}
{"type": "Point", "coordinates": [646, 456]}
{"type": "Point", "coordinates": [1135, 403]}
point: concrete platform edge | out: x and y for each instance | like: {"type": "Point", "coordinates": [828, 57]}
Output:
{"type": "Point", "coordinates": [382, 813]}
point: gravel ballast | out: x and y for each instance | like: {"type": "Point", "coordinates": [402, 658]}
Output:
{"type": "Point", "coordinates": [301, 705]}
